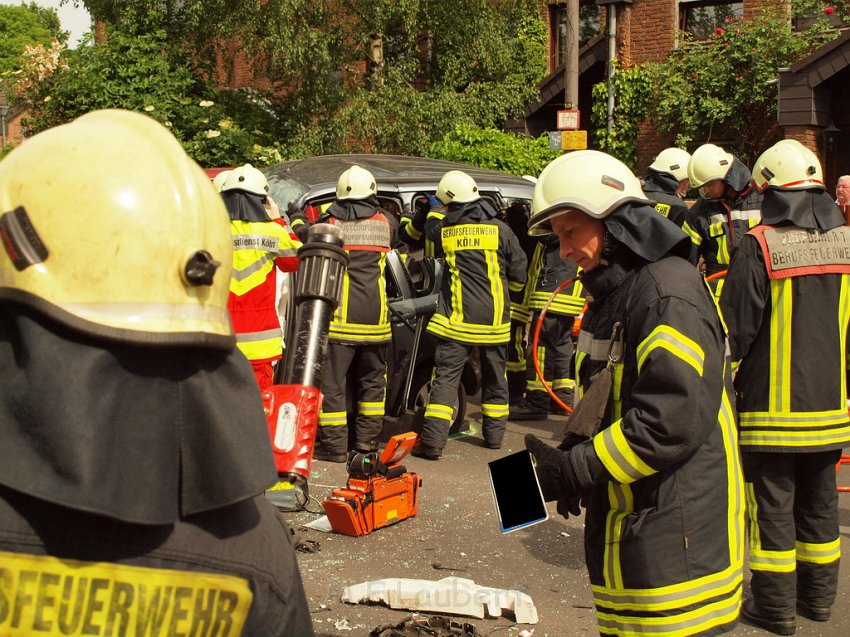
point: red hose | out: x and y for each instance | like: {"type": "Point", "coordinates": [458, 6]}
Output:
{"type": "Point", "coordinates": [535, 340]}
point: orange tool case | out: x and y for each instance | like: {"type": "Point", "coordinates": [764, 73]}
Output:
{"type": "Point", "coordinates": [379, 491]}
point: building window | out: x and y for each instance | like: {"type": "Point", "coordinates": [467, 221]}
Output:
{"type": "Point", "coordinates": [701, 17]}
{"type": "Point", "coordinates": [588, 28]}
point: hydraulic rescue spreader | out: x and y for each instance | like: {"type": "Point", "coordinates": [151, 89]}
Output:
{"type": "Point", "coordinates": [292, 408]}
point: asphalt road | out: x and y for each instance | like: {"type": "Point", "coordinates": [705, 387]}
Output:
{"type": "Point", "coordinates": [456, 534]}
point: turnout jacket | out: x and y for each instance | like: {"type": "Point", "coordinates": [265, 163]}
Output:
{"type": "Point", "coordinates": [661, 189]}
{"type": "Point", "coordinates": [664, 522]}
{"type": "Point", "coordinates": [362, 317]}
{"type": "Point", "coordinates": [486, 264]}
{"type": "Point", "coordinates": [546, 272]}
{"type": "Point", "coordinates": [259, 246]}
{"type": "Point", "coordinates": [716, 226]}
{"type": "Point", "coordinates": [787, 305]}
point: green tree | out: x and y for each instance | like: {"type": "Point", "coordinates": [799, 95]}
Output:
{"type": "Point", "coordinates": [439, 62]}
{"type": "Point", "coordinates": [720, 88]}
{"type": "Point", "coordinates": [26, 25]}
{"type": "Point", "coordinates": [141, 73]}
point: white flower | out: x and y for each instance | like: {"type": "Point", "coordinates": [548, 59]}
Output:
{"type": "Point", "coordinates": [205, 103]}
{"type": "Point", "coordinates": [150, 107]}
{"type": "Point", "coordinates": [212, 133]}
{"type": "Point", "coordinates": [48, 98]}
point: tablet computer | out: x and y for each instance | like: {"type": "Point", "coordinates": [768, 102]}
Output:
{"type": "Point", "coordinates": [516, 491]}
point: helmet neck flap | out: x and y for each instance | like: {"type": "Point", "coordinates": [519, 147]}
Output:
{"type": "Point", "coordinates": [812, 208]}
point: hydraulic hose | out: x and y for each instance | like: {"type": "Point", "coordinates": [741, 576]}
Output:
{"type": "Point", "coordinates": [535, 340]}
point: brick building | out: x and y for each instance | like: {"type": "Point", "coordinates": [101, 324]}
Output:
{"type": "Point", "coordinates": [811, 93]}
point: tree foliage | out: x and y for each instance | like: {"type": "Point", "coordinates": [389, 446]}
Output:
{"type": "Point", "coordinates": [26, 25]}
{"type": "Point", "coordinates": [139, 72]}
{"type": "Point", "coordinates": [494, 149]}
{"type": "Point", "coordinates": [719, 89]}
{"type": "Point", "coordinates": [474, 62]}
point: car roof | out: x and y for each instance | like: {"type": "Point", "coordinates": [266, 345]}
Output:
{"type": "Point", "coordinates": [398, 173]}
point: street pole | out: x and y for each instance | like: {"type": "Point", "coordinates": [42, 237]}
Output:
{"type": "Point", "coordinates": [571, 57]}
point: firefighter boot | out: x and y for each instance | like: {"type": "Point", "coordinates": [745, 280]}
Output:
{"type": "Point", "coordinates": [779, 626]}
{"type": "Point", "coordinates": [815, 613]}
{"type": "Point", "coordinates": [526, 410]}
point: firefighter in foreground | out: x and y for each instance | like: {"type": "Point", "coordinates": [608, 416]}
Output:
{"type": "Point", "coordinates": [360, 329]}
{"type": "Point", "coordinates": [261, 247]}
{"type": "Point", "coordinates": [785, 303]}
{"type": "Point", "coordinates": [662, 476]}
{"type": "Point", "coordinates": [136, 477]}
{"type": "Point", "coordinates": [485, 264]}
{"type": "Point", "coordinates": [666, 183]}
{"type": "Point", "coordinates": [728, 206]}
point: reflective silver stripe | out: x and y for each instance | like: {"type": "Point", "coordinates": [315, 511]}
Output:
{"type": "Point", "coordinates": [670, 596]}
{"type": "Point", "coordinates": [243, 273]}
{"type": "Point", "coordinates": [595, 348]}
{"type": "Point", "coordinates": [253, 337]}
{"type": "Point", "coordinates": [696, 621]}
{"type": "Point", "coordinates": [735, 215]}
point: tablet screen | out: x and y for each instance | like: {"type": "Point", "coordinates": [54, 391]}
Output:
{"type": "Point", "coordinates": [519, 501]}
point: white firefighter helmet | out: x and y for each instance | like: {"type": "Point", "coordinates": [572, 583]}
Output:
{"type": "Point", "coordinates": [787, 165]}
{"type": "Point", "coordinates": [246, 178]}
{"type": "Point", "coordinates": [110, 228]}
{"type": "Point", "coordinates": [356, 183]}
{"type": "Point", "coordinates": [672, 161]}
{"type": "Point", "coordinates": [589, 181]}
{"type": "Point", "coordinates": [219, 179]}
{"type": "Point", "coordinates": [708, 163]}
{"type": "Point", "coordinates": [457, 187]}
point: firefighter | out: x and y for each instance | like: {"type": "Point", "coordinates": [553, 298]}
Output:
{"type": "Point", "coordinates": [666, 183]}
{"type": "Point", "coordinates": [135, 450]}
{"type": "Point", "coordinates": [261, 246]}
{"type": "Point", "coordinates": [727, 208]}
{"type": "Point", "coordinates": [516, 216]}
{"type": "Point", "coordinates": [360, 329]}
{"type": "Point", "coordinates": [661, 476]}
{"type": "Point", "coordinates": [546, 272]}
{"type": "Point", "coordinates": [485, 265]}
{"type": "Point", "coordinates": [785, 304]}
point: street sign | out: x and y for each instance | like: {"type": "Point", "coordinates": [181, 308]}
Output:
{"type": "Point", "coordinates": [574, 140]}
{"type": "Point", "coordinates": [568, 119]}
{"type": "Point", "coordinates": [555, 140]}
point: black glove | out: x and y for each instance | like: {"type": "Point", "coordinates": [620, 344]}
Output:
{"type": "Point", "coordinates": [557, 478]}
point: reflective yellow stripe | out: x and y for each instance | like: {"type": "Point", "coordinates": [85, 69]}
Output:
{"type": "Point", "coordinates": [616, 392]}
{"type": "Point", "coordinates": [779, 387]}
{"type": "Point", "coordinates": [621, 504]}
{"type": "Point", "coordinates": [696, 238]}
{"type": "Point", "coordinates": [562, 303]}
{"type": "Point", "coordinates": [370, 408]}
{"type": "Point", "coordinates": [773, 561]}
{"type": "Point", "coordinates": [332, 418]}
{"type": "Point", "coordinates": [819, 553]}
{"type": "Point", "coordinates": [580, 356]}
{"type": "Point", "coordinates": [257, 346]}
{"type": "Point", "coordinates": [734, 477]}
{"type": "Point", "coordinates": [469, 332]}
{"type": "Point", "coordinates": [441, 412]}
{"type": "Point", "coordinates": [843, 322]}
{"type": "Point", "coordinates": [692, 622]}
{"type": "Point", "coordinates": [563, 383]}
{"type": "Point", "coordinates": [44, 595]}
{"type": "Point", "coordinates": [673, 596]}
{"type": "Point", "coordinates": [614, 452]}
{"type": "Point", "coordinates": [410, 229]}
{"type": "Point", "coordinates": [497, 290]}
{"type": "Point", "coordinates": [723, 249]}
{"type": "Point", "coordinates": [494, 410]}
{"type": "Point", "coordinates": [752, 516]}
{"type": "Point", "coordinates": [671, 339]}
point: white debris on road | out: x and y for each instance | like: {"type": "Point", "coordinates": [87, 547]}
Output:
{"type": "Point", "coordinates": [453, 595]}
